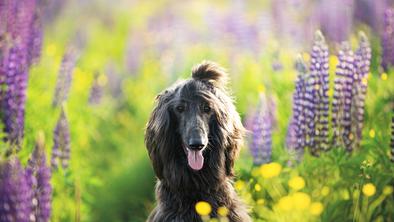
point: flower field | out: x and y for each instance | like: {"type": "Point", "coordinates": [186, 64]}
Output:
{"type": "Point", "coordinates": [312, 80]}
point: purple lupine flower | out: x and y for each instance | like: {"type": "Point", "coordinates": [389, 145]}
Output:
{"type": "Point", "coordinates": [261, 127]}
{"type": "Point", "coordinates": [330, 13]}
{"type": "Point", "coordinates": [15, 193]}
{"type": "Point", "coordinates": [38, 175]}
{"type": "Point", "coordinates": [362, 62]}
{"type": "Point", "coordinates": [317, 94]}
{"type": "Point", "coordinates": [35, 39]}
{"type": "Point", "coordinates": [96, 90]}
{"type": "Point", "coordinates": [114, 84]}
{"type": "Point", "coordinates": [65, 76]}
{"type": "Point", "coordinates": [134, 52]}
{"type": "Point", "coordinates": [297, 130]}
{"type": "Point", "coordinates": [388, 39]}
{"type": "Point", "coordinates": [61, 140]}
{"type": "Point", "coordinates": [342, 101]}
{"type": "Point", "coordinates": [370, 13]}
{"type": "Point", "coordinates": [392, 136]}
{"type": "Point", "coordinates": [15, 67]}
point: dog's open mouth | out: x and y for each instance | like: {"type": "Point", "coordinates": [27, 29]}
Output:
{"type": "Point", "coordinates": [195, 158]}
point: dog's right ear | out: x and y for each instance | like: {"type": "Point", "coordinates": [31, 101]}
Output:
{"type": "Point", "coordinates": [210, 72]}
{"type": "Point", "coordinates": [156, 132]}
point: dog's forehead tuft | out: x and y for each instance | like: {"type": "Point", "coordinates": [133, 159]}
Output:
{"type": "Point", "coordinates": [195, 89]}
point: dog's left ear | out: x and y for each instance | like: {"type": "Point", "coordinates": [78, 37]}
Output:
{"type": "Point", "coordinates": [235, 140]}
{"type": "Point", "coordinates": [210, 72]}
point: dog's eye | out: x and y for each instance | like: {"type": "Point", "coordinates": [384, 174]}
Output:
{"type": "Point", "coordinates": [207, 109]}
{"type": "Point", "coordinates": [180, 108]}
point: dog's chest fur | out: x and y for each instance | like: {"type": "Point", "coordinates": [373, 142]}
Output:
{"type": "Point", "coordinates": [179, 205]}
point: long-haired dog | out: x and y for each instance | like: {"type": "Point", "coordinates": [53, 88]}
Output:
{"type": "Point", "coordinates": [193, 138]}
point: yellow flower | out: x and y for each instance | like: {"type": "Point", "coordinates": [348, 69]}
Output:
{"type": "Point", "coordinates": [387, 190]}
{"type": "Point", "coordinates": [369, 189]}
{"type": "Point", "coordinates": [297, 183]}
{"type": "Point", "coordinates": [325, 191]}
{"type": "Point", "coordinates": [364, 81]}
{"type": "Point", "coordinates": [51, 49]}
{"type": "Point", "coordinates": [285, 203]}
{"type": "Point", "coordinates": [257, 187]}
{"type": "Point", "coordinates": [260, 201]}
{"type": "Point", "coordinates": [301, 200]}
{"type": "Point", "coordinates": [316, 208]}
{"type": "Point", "coordinates": [333, 61]}
{"type": "Point", "coordinates": [223, 211]}
{"type": "Point", "coordinates": [384, 76]}
{"type": "Point", "coordinates": [270, 170]}
{"type": "Point", "coordinates": [261, 88]}
{"type": "Point", "coordinates": [372, 133]}
{"type": "Point", "coordinates": [306, 56]}
{"type": "Point", "coordinates": [203, 208]}
{"type": "Point", "coordinates": [239, 185]}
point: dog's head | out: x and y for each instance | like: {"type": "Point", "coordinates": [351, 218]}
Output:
{"type": "Point", "coordinates": [194, 119]}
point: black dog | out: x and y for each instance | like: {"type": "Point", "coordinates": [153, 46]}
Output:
{"type": "Point", "coordinates": [193, 137]}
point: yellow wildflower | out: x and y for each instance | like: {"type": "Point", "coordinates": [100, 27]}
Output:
{"type": "Point", "coordinates": [285, 203]}
{"type": "Point", "coordinates": [306, 56]}
{"type": "Point", "coordinates": [301, 200]}
{"type": "Point", "coordinates": [369, 189]}
{"type": "Point", "coordinates": [364, 81]}
{"type": "Point", "coordinates": [297, 183]}
{"type": "Point", "coordinates": [384, 76]}
{"type": "Point", "coordinates": [325, 191]}
{"type": "Point", "coordinates": [270, 170]}
{"type": "Point", "coordinates": [51, 49]}
{"type": "Point", "coordinates": [239, 185]}
{"type": "Point", "coordinates": [261, 88]}
{"type": "Point", "coordinates": [333, 60]}
{"type": "Point", "coordinates": [260, 201]}
{"type": "Point", "coordinates": [372, 133]}
{"type": "Point", "coordinates": [316, 208]}
{"type": "Point", "coordinates": [223, 211]}
{"type": "Point", "coordinates": [257, 187]}
{"type": "Point", "coordinates": [203, 208]}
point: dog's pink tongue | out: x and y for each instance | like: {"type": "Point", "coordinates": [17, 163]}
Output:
{"type": "Point", "coordinates": [195, 159]}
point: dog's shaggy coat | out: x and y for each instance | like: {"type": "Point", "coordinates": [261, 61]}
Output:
{"type": "Point", "coordinates": [185, 178]}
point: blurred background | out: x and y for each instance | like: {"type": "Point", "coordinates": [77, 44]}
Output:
{"type": "Point", "coordinates": [102, 63]}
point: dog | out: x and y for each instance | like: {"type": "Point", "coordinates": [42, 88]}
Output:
{"type": "Point", "coordinates": [193, 137]}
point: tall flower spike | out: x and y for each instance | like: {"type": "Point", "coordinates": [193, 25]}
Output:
{"type": "Point", "coordinates": [61, 140]}
{"type": "Point", "coordinates": [39, 176]}
{"type": "Point", "coordinates": [262, 125]}
{"type": "Point", "coordinates": [392, 136]}
{"type": "Point", "coordinates": [65, 76]}
{"type": "Point", "coordinates": [97, 89]}
{"type": "Point", "coordinates": [35, 40]}
{"type": "Point", "coordinates": [15, 193]}
{"type": "Point", "coordinates": [362, 61]}
{"type": "Point", "coordinates": [318, 86]}
{"type": "Point", "coordinates": [342, 101]}
{"type": "Point", "coordinates": [388, 39]}
{"type": "Point", "coordinates": [15, 67]}
{"type": "Point", "coordinates": [296, 135]}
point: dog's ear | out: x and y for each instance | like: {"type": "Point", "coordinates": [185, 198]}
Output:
{"type": "Point", "coordinates": [231, 130]}
{"type": "Point", "coordinates": [156, 132]}
{"type": "Point", "coordinates": [234, 140]}
{"type": "Point", "coordinates": [210, 72]}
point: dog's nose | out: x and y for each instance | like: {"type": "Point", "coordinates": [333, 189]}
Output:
{"type": "Point", "coordinates": [196, 144]}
